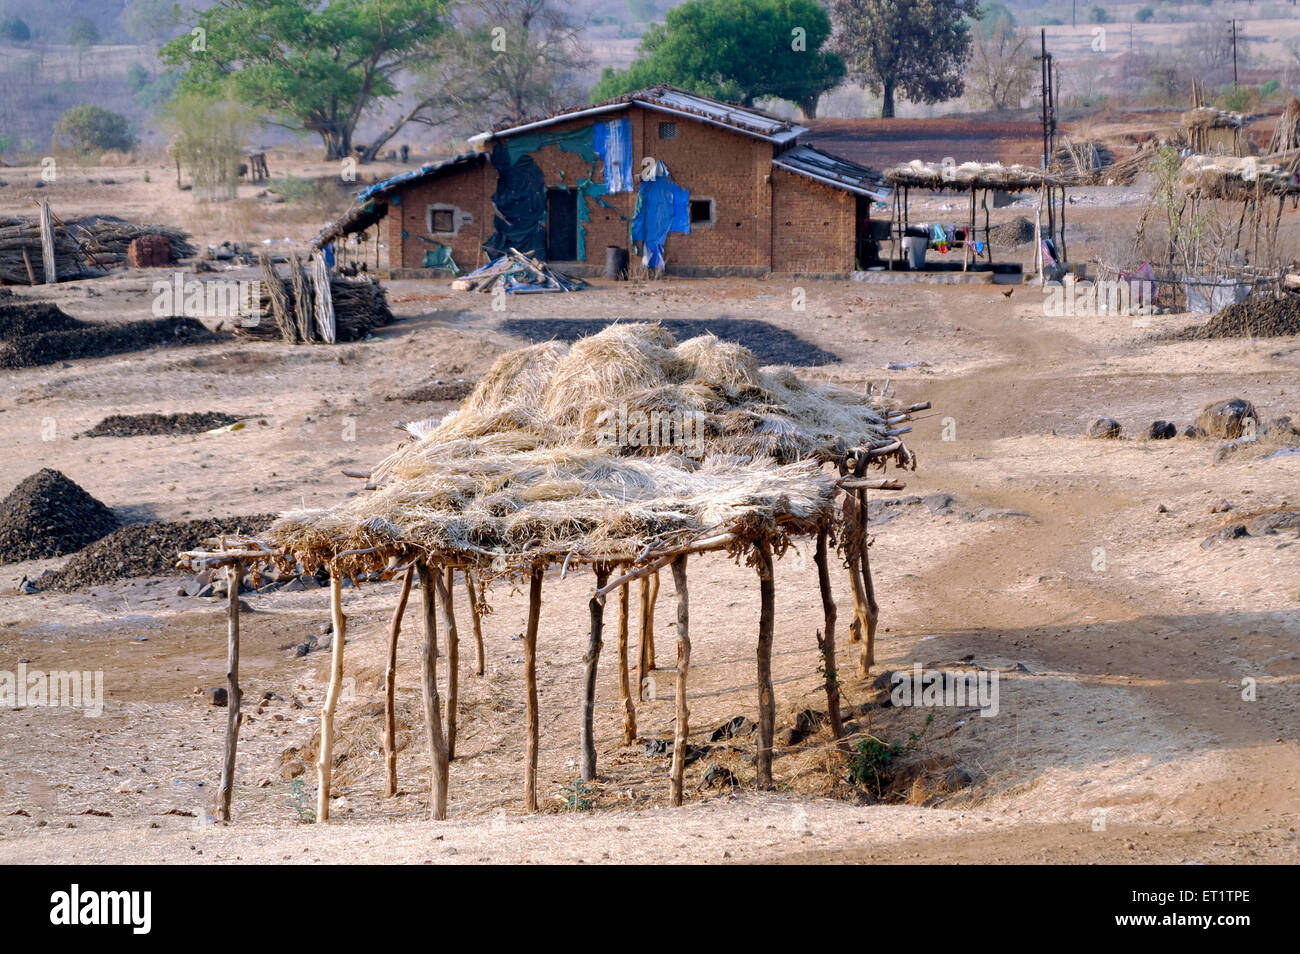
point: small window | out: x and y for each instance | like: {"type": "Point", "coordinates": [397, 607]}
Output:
{"type": "Point", "coordinates": [701, 211]}
{"type": "Point", "coordinates": [442, 220]}
{"type": "Point", "coordinates": [667, 130]}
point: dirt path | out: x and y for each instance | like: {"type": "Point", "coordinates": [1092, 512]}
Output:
{"type": "Point", "coordinates": [1121, 642]}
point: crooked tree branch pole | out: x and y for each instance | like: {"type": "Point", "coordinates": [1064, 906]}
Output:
{"type": "Point", "coordinates": [766, 694]}
{"type": "Point", "coordinates": [624, 679]}
{"type": "Point", "coordinates": [325, 764]}
{"type": "Point", "coordinates": [827, 642]}
{"type": "Point", "coordinates": [662, 560]}
{"type": "Point", "coordinates": [432, 705]}
{"type": "Point", "coordinates": [234, 717]}
{"type": "Point", "coordinates": [649, 597]}
{"type": "Point", "coordinates": [683, 667]}
{"type": "Point", "coordinates": [868, 658]}
{"type": "Point", "coordinates": [444, 586]}
{"type": "Point", "coordinates": [390, 688]}
{"type": "Point", "coordinates": [471, 590]}
{"type": "Point", "coordinates": [530, 681]}
{"type": "Point", "coordinates": [590, 659]}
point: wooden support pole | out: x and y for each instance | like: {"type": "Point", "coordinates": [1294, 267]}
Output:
{"type": "Point", "coordinates": [444, 587]}
{"type": "Point", "coordinates": [390, 688]}
{"type": "Point", "coordinates": [868, 658]}
{"type": "Point", "coordinates": [827, 641]}
{"type": "Point", "coordinates": [646, 643]}
{"type": "Point", "coordinates": [476, 618]}
{"type": "Point", "coordinates": [624, 680]}
{"type": "Point", "coordinates": [590, 659]}
{"type": "Point", "coordinates": [234, 717]}
{"type": "Point", "coordinates": [766, 694]}
{"type": "Point", "coordinates": [683, 667]}
{"type": "Point", "coordinates": [530, 681]}
{"type": "Point", "coordinates": [325, 765]}
{"type": "Point", "coordinates": [47, 243]}
{"type": "Point", "coordinates": [432, 705]}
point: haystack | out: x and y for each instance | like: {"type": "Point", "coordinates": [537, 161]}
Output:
{"type": "Point", "coordinates": [523, 475]}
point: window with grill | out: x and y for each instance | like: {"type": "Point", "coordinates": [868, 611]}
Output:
{"type": "Point", "coordinates": [442, 220]}
{"type": "Point", "coordinates": [667, 130]}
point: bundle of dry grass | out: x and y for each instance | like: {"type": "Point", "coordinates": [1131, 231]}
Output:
{"type": "Point", "coordinates": [82, 247]}
{"type": "Point", "coordinates": [1236, 178]}
{"type": "Point", "coordinates": [510, 507]}
{"type": "Point", "coordinates": [919, 174]}
{"type": "Point", "coordinates": [587, 395]}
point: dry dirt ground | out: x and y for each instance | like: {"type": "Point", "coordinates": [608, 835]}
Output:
{"type": "Point", "coordinates": [1073, 567]}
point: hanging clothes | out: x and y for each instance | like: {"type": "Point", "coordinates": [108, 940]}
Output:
{"type": "Point", "coordinates": [662, 206]}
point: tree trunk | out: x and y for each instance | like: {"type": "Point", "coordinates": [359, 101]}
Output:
{"type": "Point", "coordinates": [432, 704]}
{"type": "Point", "coordinates": [390, 686]}
{"type": "Point", "coordinates": [530, 684]}
{"type": "Point", "coordinates": [586, 729]}
{"type": "Point", "coordinates": [827, 642]}
{"type": "Point", "coordinates": [887, 100]}
{"type": "Point", "coordinates": [766, 694]}
{"type": "Point", "coordinates": [683, 667]}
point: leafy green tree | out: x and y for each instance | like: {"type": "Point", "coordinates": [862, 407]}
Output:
{"type": "Point", "coordinates": [1098, 14]}
{"type": "Point", "coordinates": [1144, 14]}
{"type": "Point", "coordinates": [14, 30]}
{"type": "Point", "coordinates": [89, 129]}
{"type": "Point", "coordinates": [312, 66]}
{"type": "Point", "coordinates": [914, 47]}
{"type": "Point", "coordinates": [738, 50]}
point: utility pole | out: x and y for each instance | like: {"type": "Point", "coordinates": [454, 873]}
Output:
{"type": "Point", "coordinates": [1234, 51]}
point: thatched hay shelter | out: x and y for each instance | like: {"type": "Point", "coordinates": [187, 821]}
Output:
{"type": "Point", "coordinates": [974, 178]}
{"type": "Point", "coordinates": [1236, 178]}
{"type": "Point", "coordinates": [539, 466]}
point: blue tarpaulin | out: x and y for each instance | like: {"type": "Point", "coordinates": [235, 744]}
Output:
{"type": "Point", "coordinates": [662, 206]}
{"type": "Point", "coordinates": [520, 204]}
{"type": "Point", "coordinates": [612, 142]}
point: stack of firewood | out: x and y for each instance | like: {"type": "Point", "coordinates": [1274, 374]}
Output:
{"type": "Point", "coordinates": [291, 307]}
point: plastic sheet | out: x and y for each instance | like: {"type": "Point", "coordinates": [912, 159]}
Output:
{"type": "Point", "coordinates": [662, 206]}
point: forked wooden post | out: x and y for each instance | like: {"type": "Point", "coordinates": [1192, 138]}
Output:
{"type": "Point", "coordinates": [234, 717]}
{"type": "Point", "coordinates": [390, 688]}
{"type": "Point", "coordinates": [646, 642]}
{"type": "Point", "coordinates": [827, 641]}
{"type": "Point", "coordinates": [432, 705]}
{"type": "Point", "coordinates": [590, 659]}
{"type": "Point", "coordinates": [476, 620]}
{"type": "Point", "coordinates": [624, 681]}
{"type": "Point", "coordinates": [444, 585]}
{"type": "Point", "coordinates": [530, 681]}
{"type": "Point", "coordinates": [766, 694]}
{"type": "Point", "coordinates": [683, 666]}
{"type": "Point", "coordinates": [868, 658]}
{"type": "Point", "coordinates": [325, 765]}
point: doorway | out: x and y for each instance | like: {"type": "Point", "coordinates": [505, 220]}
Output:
{"type": "Point", "coordinates": [561, 225]}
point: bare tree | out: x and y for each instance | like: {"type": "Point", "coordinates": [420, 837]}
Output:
{"type": "Point", "coordinates": [1001, 68]}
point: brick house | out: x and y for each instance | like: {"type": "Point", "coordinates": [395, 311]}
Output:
{"type": "Point", "coordinates": [719, 189]}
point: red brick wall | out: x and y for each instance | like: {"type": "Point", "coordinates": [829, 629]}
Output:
{"type": "Point", "coordinates": [469, 191]}
{"type": "Point", "coordinates": [713, 163]}
{"type": "Point", "coordinates": [764, 217]}
{"type": "Point", "coordinates": [813, 225]}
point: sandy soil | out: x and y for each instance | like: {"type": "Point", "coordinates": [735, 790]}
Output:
{"type": "Point", "coordinates": [1120, 642]}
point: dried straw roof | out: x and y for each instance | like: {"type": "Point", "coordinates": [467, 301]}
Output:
{"type": "Point", "coordinates": [559, 394]}
{"type": "Point", "coordinates": [1236, 178]}
{"type": "Point", "coordinates": [523, 473]}
{"type": "Point", "coordinates": [919, 174]}
{"type": "Point", "coordinates": [1208, 117]}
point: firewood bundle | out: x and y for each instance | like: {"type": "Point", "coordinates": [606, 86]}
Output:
{"type": "Point", "coordinates": [82, 247]}
{"type": "Point", "coordinates": [293, 309]}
